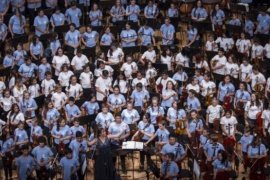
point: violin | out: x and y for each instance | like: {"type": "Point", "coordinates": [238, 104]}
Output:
{"type": "Point", "coordinates": [152, 82]}
{"type": "Point", "coordinates": [256, 169]}
{"type": "Point", "coordinates": [145, 63]}
{"type": "Point", "coordinates": [62, 111]}
{"type": "Point", "coordinates": [239, 109]}
{"type": "Point", "coordinates": [180, 126]}
{"type": "Point", "coordinates": [145, 104]}
{"type": "Point", "coordinates": [207, 99]}
{"type": "Point", "coordinates": [259, 124]}
{"type": "Point", "coordinates": [105, 97]}
{"type": "Point", "coordinates": [140, 135]}
{"type": "Point", "coordinates": [61, 148]}
{"type": "Point", "coordinates": [195, 136]}
{"type": "Point", "coordinates": [116, 110]}
{"type": "Point", "coordinates": [227, 101]}
{"type": "Point", "coordinates": [35, 139]}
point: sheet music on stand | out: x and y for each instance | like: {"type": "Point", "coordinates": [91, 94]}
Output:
{"type": "Point", "coordinates": [196, 169]}
{"type": "Point", "coordinates": [132, 145]}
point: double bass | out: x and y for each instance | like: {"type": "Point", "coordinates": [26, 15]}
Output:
{"type": "Point", "coordinates": [227, 101]}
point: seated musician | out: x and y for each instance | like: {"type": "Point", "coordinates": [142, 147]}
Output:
{"type": "Point", "coordinates": [146, 36]}
{"type": "Point", "coordinates": [194, 127]}
{"type": "Point", "coordinates": [174, 147]}
{"type": "Point", "coordinates": [129, 67]}
{"type": "Point", "coordinates": [182, 58]}
{"type": "Point", "coordinates": [257, 78]}
{"type": "Point", "coordinates": [175, 114]}
{"type": "Point", "coordinates": [225, 89]}
{"type": "Point", "coordinates": [128, 36]}
{"type": "Point", "coordinates": [139, 96]}
{"type": "Point", "coordinates": [69, 165]}
{"type": "Point", "coordinates": [62, 135]}
{"type": "Point", "coordinates": [14, 117]}
{"type": "Point", "coordinates": [25, 164]}
{"type": "Point", "coordinates": [266, 119]}
{"type": "Point", "coordinates": [104, 118]}
{"type": "Point", "coordinates": [43, 155]}
{"type": "Point", "coordinates": [90, 107]}
{"type": "Point", "coordinates": [35, 130]}
{"type": "Point", "coordinates": [193, 102]}
{"type": "Point", "coordinates": [256, 50]}
{"type": "Point", "coordinates": [103, 86]}
{"type": "Point", "coordinates": [74, 89]}
{"type": "Point", "coordinates": [48, 84]}
{"type": "Point", "coordinates": [77, 128]}
{"type": "Point", "coordinates": [27, 70]}
{"type": "Point", "coordinates": [140, 79]}
{"type": "Point", "coordinates": [79, 147]}
{"type": "Point", "coordinates": [155, 111]}
{"type": "Point", "coordinates": [218, 62]}
{"type": "Point", "coordinates": [252, 108]}
{"type": "Point", "coordinates": [100, 67]}
{"type": "Point", "coordinates": [146, 129]}
{"type": "Point", "coordinates": [168, 95]}
{"type": "Point", "coordinates": [72, 110]}
{"type": "Point", "coordinates": [149, 55]}
{"type": "Point", "coordinates": [28, 105]}
{"type": "Point", "coordinates": [221, 166]}
{"type": "Point", "coordinates": [234, 20]}
{"type": "Point", "coordinates": [115, 54]}
{"type": "Point", "coordinates": [151, 10]}
{"type": "Point", "coordinates": [263, 19]}
{"type": "Point", "coordinates": [243, 44]}
{"type": "Point", "coordinates": [130, 115]}
{"type": "Point", "coordinates": [213, 112]}
{"type": "Point", "coordinates": [7, 152]}
{"type": "Point", "coordinates": [225, 41]}
{"type": "Point", "coordinates": [211, 151]}
{"type": "Point", "coordinates": [245, 141]}
{"type": "Point", "coordinates": [20, 136]}
{"type": "Point", "coordinates": [199, 13]}
{"type": "Point", "coordinates": [256, 154]}
{"type": "Point", "coordinates": [162, 81]}
{"type": "Point", "coordinates": [114, 128]}
{"type": "Point", "coordinates": [116, 100]}
{"type": "Point", "coordinates": [167, 32]}
{"type": "Point", "coordinates": [169, 169]}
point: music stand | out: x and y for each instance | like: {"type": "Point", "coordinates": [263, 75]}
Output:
{"type": "Point", "coordinates": [264, 38]}
{"type": "Point", "coordinates": [22, 39]}
{"type": "Point", "coordinates": [160, 67]}
{"type": "Point", "coordinates": [44, 37]}
{"type": "Point", "coordinates": [7, 18]}
{"type": "Point", "coordinates": [61, 29]}
{"type": "Point", "coordinates": [210, 54]}
{"type": "Point", "coordinates": [233, 28]}
{"type": "Point", "coordinates": [131, 50]}
{"type": "Point", "coordinates": [190, 71]}
{"type": "Point", "coordinates": [237, 8]}
{"type": "Point", "coordinates": [105, 49]}
{"type": "Point", "coordinates": [203, 26]}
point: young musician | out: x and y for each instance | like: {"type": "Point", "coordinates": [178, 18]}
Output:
{"type": "Point", "coordinates": [155, 110]}
{"type": "Point", "coordinates": [116, 100]}
{"type": "Point", "coordinates": [69, 165]}
{"type": "Point", "coordinates": [104, 118]}
{"type": "Point", "coordinates": [199, 13]}
{"type": "Point", "coordinates": [241, 95]}
{"type": "Point", "coordinates": [245, 70]}
{"type": "Point", "coordinates": [130, 115]}
{"type": "Point", "coordinates": [218, 62]}
{"type": "Point", "coordinates": [207, 86]}
{"type": "Point", "coordinates": [151, 10]}
{"type": "Point", "coordinates": [194, 125]}
{"type": "Point", "coordinates": [48, 84]}
{"type": "Point", "coordinates": [140, 79]}
{"type": "Point", "coordinates": [169, 169]}
{"type": "Point", "coordinates": [146, 36]}
{"type": "Point", "coordinates": [27, 70]}
{"type": "Point", "coordinates": [64, 76]}
{"type": "Point", "coordinates": [114, 128]}
{"type": "Point", "coordinates": [79, 148]}
{"type": "Point", "coordinates": [14, 117]}
{"type": "Point", "coordinates": [256, 50]}
{"type": "Point", "coordinates": [7, 152]}
{"type": "Point", "coordinates": [168, 95]}
{"type": "Point", "coordinates": [266, 119]}
{"type": "Point", "coordinates": [117, 11]}
{"type": "Point", "coordinates": [59, 98]}
{"type": "Point", "coordinates": [128, 36]}
{"type": "Point", "coordinates": [100, 67]}
{"type": "Point", "coordinates": [194, 84]}
{"type": "Point", "coordinates": [225, 88]}
{"type": "Point", "coordinates": [228, 124]}
{"type": "Point", "coordinates": [222, 164]}
{"type": "Point", "coordinates": [18, 90]}
{"type": "Point", "coordinates": [174, 114]}
{"type": "Point", "coordinates": [167, 32]}
{"type": "Point", "coordinates": [162, 81]}
{"type": "Point", "coordinates": [77, 128]}
{"type": "Point", "coordinates": [225, 41]}
{"type": "Point", "coordinates": [231, 67]}
{"type": "Point", "coordinates": [25, 164]}
{"type": "Point", "coordinates": [129, 67]}
{"type": "Point", "coordinates": [50, 116]}
{"type": "Point", "coordinates": [28, 105]}
{"type": "Point", "coordinates": [149, 55]}
{"type": "Point", "coordinates": [74, 89]}
{"type": "Point", "coordinates": [103, 85]}
{"type": "Point", "coordinates": [86, 80]}
{"type": "Point", "coordinates": [43, 155]}
{"type": "Point", "coordinates": [72, 110]}
{"type": "Point", "coordinates": [256, 78]}
{"type": "Point", "coordinates": [214, 111]}
{"type": "Point", "coordinates": [90, 107]}
{"type": "Point", "coordinates": [246, 141]}
{"type": "Point", "coordinates": [193, 102]}
{"type": "Point", "coordinates": [139, 95]}
{"type": "Point", "coordinates": [35, 130]}
{"type": "Point", "coordinates": [252, 108]}
{"type": "Point", "coordinates": [115, 54]}
{"type": "Point", "coordinates": [147, 130]}
{"type": "Point", "coordinates": [243, 45]}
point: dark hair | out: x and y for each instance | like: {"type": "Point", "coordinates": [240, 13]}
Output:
{"type": "Point", "coordinates": [105, 73]}
{"type": "Point", "coordinates": [170, 155]}
{"type": "Point", "coordinates": [78, 134]}
{"type": "Point", "coordinates": [224, 156]}
{"type": "Point", "coordinates": [41, 139]}
{"type": "Point", "coordinates": [68, 151]}
{"type": "Point", "coordinates": [172, 135]}
{"type": "Point", "coordinates": [71, 99]}
{"type": "Point", "coordinates": [24, 147]}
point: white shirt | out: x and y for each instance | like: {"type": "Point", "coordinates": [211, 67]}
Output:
{"type": "Point", "coordinates": [74, 90]}
{"type": "Point", "coordinates": [164, 82]}
{"type": "Point", "coordinates": [210, 46]}
{"type": "Point", "coordinates": [149, 55]}
{"type": "Point", "coordinates": [115, 57]}
{"type": "Point", "coordinates": [48, 86]}
{"type": "Point", "coordinates": [225, 43]}
{"type": "Point", "coordinates": [245, 71]}
{"type": "Point", "coordinates": [2, 87]}
{"type": "Point", "coordinates": [243, 45]}
{"type": "Point", "coordinates": [201, 64]}
{"type": "Point", "coordinates": [252, 110]}
{"type": "Point", "coordinates": [167, 60]}
{"type": "Point", "coordinates": [267, 49]}
{"type": "Point", "coordinates": [16, 119]}
{"type": "Point", "coordinates": [208, 87]}
{"type": "Point", "coordinates": [64, 77]}
{"type": "Point", "coordinates": [98, 72]}
{"type": "Point", "coordinates": [150, 72]}
{"type": "Point", "coordinates": [85, 79]}
{"type": "Point", "coordinates": [214, 112]}
{"type": "Point", "coordinates": [268, 83]}
{"type": "Point", "coordinates": [2, 123]}
{"type": "Point", "coordinates": [19, 93]}
{"type": "Point", "coordinates": [7, 102]}
{"type": "Point", "coordinates": [231, 68]}
{"type": "Point", "coordinates": [79, 62]}
{"type": "Point", "coordinates": [128, 68]}
{"type": "Point", "coordinates": [182, 59]}
{"type": "Point", "coordinates": [266, 117]}
{"type": "Point", "coordinates": [34, 90]}
{"type": "Point", "coordinates": [257, 78]}
{"type": "Point", "coordinates": [226, 121]}
{"type": "Point", "coordinates": [122, 85]}
{"type": "Point", "coordinates": [59, 61]}
{"type": "Point", "coordinates": [58, 99]}
{"type": "Point", "coordinates": [221, 61]}
{"type": "Point", "coordinates": [143, 81]}
{"type": "Point", "coordinates": [196, 87]}
{"type": "Point", "coordinates": [102, 84]}
{"type": "Point", "coordinates": [256, 50]}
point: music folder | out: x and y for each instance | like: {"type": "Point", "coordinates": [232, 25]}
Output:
{"type": "Point", "coordinates": [132, 145]}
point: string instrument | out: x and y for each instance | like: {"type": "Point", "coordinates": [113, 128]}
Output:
{"type": "Point", "coordinates": [202, 158]}
{"type": "Point", "coordinates": [145, 63]}
{"type": "Point", "coordinates": [116, 110]}
{"type": "Point", "coordinates": [120, 63]}
{"type": "Point", "coordinates": [184, 95]}
{"type": "Point", "coordinates": [195, 137]}
{"type": "Point", "coordinates": [140, 135]}
{"type": "Point", "coordinates": [256, 59]}
{"type": "Point", "coordinates": [179, 164]}
{"type": "Point", "coordinates": [173, 63]}
{"type": "Point", "coordinates": [257, 88]}
{"type": "Point", "coordinates": [71, 123]}
{"type": "Point", "coordinates": [218, 30]}
{"type": "Point", "coordinates": [29, 175]}
{"type": "Point", "coordinates": [239, 109]}
{"type": "Point", "coordinates": [256, 169]}
{"type": "Point", "coordinates": [145, 104]}
{"type": "Point", "coordinates": [216, 124]}
{"type": "Point", "coordinates": [214, 62]}
{"type": "Point", "coordinates": [43, 172]}
{"type": "Point", "coordinates": [61, 147]}
{"type": "Point", "coordinates": [180, 126]}
{"type": "Point", "coordinates": [259, 124]}
{"type": "Point", "coordinates": [105, 97]}
{"type": "Point", "coordinates": [27, 113]}
{"type": "Point", "coordinates": [160, 87]}
{"type": "Point", "coordinates": [229, 142]}
{"type": "Point", "coordinates": [106, 127]}
{"type": "Point", "coordinates": [159, 117]}
{"type": "Point", "coordinates": [163, 177]}
{"type": "Point", "coordinates": [35, 139]}
{"type": "Point", "coordinates": [152, 82]}
{"type": "Point", "coordinates": [227, 101]}
{"type": "Point", "coordinates": [51, 123]}
{"type": "Point", "coordinates": [208, 98]}
{"type": "Point", "coordinates": [72, 175]}
{"type": "Point", "coordinates": [159, 147]}
{"type": "Point", "coordinates": [222, 174]}
{"type": "Point", "coordinates": [245, 51]}
{"type": "Point", "coordinates": [62, 111]}
{"type": "Point", "coordinates": [17, 148]}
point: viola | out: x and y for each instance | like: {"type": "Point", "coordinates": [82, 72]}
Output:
{"type": "Point", "coordinates": [259, 124]}
{"type": "Point", "coordinates": [62, 112]}
{"type": "Point", "coordinates": [61, 148]}
{"type": "Point", "coordinates": [207, 99]}
{"type": "Point", "coordinates": [145, 63]}
{"type": "Point", "coordinates": [180, 127]}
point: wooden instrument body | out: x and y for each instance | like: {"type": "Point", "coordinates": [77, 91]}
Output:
{"type": "Point", "coordinates": [202, 160]}
{"type": "Point", "coordinates": [62, 112]}
{"type": "Point", "coordinates": [35, 141]}
{"type": "Point", "coordinates": [258, 166]}
{"type": "Point", "coordinates": [160, 88]}
{"type": "Point", "coordinates": [257, 61]}
{"type": "Point", "coordinates": [227, 102]}
{"type": "Point", "coordinates": [259, 124]}
{"type": "Point", "coordinates": [180, 127]}
{"type": "Point", "coordinates": [209, 174]}
{"type": "Point", "coordinates": [194, 140]}
{"type": "Point", "coordinates": [228, 142]}
{"type": "Point", "coordinates": [218, 30]}
{"type": "Point", "coordinates": [223, 175]}
{"type": "Point", "coordinates": [12, 129]}
{"type": "Point", "coordinates": [61, 148]}
{"type": "Point", "coordinates": [159, 119]}
{"type": "Point", "coordinates": [187, 6]}
{"type": "Point", "coordinates": [44, 174]}
{"type": "Point", "coordinates": [207, 100]}
{"type": "Point", "coordinates": [152, 83]}
{"type": "Point", "coordinates": [139, 136]}
{"type": "Point", "coordinates": [116, 111]}
{"type": "Point", "coordinates": [216, 125]}
{"type": "Point", "coordinates": [145, 107]}
{"type": "Point", "coordinates": [239, 109]}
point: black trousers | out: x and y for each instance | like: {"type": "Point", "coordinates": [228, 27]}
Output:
{"type": "Point", "coordinates": [143, 154]}
{"type": "Point", "coordinates": [8, 171]}
{"type": "Point", "coordinates": [32, 14]}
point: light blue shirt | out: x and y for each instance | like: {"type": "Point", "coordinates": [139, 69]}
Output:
{"type": "Point", "coordinates": [75, 146]}
{"type": "Point", "coordinates": [218, 16]}
{"type": "Point", "coordinates": [19, 55]}
{"type": "Point", "coordinates": [95, 14]}
{"type": "Point", "coordinates": [3, 5]}
{"type": "Point", "coordinates": [74, 16]}
{"type": "Point", "coordinates": [36, 49]}
{"type": "Point", "coordinates": [116, 100]}
{"type": "Point", "coordinates": [138, 97]}
{"type": "Point", "coordinates": [74, 129]}
{"type": "Point", "coordinates": [212, 150]}
{"type": "Point", "coordinates": [244, 95]}
{"type": "Point", "coordinates": [177, 149]}
{"type": "Point", "coordinates": [90, 38]}
{"type": "Point", "coordinates": [21, 135]}
{"type": "Point", "coordinates": [132, 8]}
{"type": "Point", "coordinates": [263, 22]}
{"type": "Point", "coordinates": [245, 141]}
{"type": "Point", "coordinates": [33, 5]}
{"type": "Point", "coordinates": [41, 23]}
{"type": "Point", "coordinates": [199, 13]}
{"type": "Point", "coordinates": [42, 155]}
{"type": "Point", "coordinates": [227, 88]}
{"type": "Point", "coordinates": [193, 104]}
{"type": "Point", "coordinates": [24, 165]}
{"type": "Point", "coordinates": [163, 135]}
{"type": "Point", "coordinates": [171, 168]}
{"type": "Point", "coordinates": [174, 114]}
{"type": "Point", "coordinates": [191, 33]}
{"type": "Point", "coordinates": [253, 151]}
{"type": "Point", "coordinates": [73, 37]}
{"type": "Point", "coordinates": [17, 2]}
{"type": "Point", "coordinates": [172, 12]}
{"type": "Point", "coordinates": [57, 19]}
{"type": "Point", "coordinates": [167, 102]}
{"type": "Point", "coordinates": [90, 107]}
{"type": "Point", "coordinates": [107, 39]}
{"type": "Point", "coordinates": [36, 129]}
{"type": "Point", "coordinates": [8, 60]}
{"type": "Point", "coordinates": [168, 31]}
{"type": "Point", "coordinates": [54, 45]}
{"type": "Point", "coordinates": [24, 104]}
{"type": "Point", "coordinates": [16, 24]}
{"type": "Point", "coordinates": [128, 35]}
{"type": "Point", "coordinates": [115, 128]}
{"type": "Point", "coordinates": [51, 115]}
{"type": "Point", "coordinates": [63, 132]}
{"type": "Point", "coordinates": [151, 11]}
{"type": "Point", "coordinates": [204, 140]}
{"type": "Point", "coordinates": [193, 125]}
{"type": "Point", "coordinates": [146, 35]}
{"type": "Point", "coordinates": [72, 111]}
{"type": "Point", "coordinates": [51, 1]}
{"type": "Point", "coordinates": [28, 70]}
{"type": "Point", "coordinates": [221, 166]}
{"type": "Point", "coordinates": [117, 11]}
{"type": "Point", "coordinates": [128, 116]}
{"type": "Point", "coordinates": [235, 22]}
{"type": "Point", "coordinates": [68, 165]}
{"type": "Point", "coordinates": [149, 129]}
{"type": "Point", "coordinates": [3, 30]}
{"type": "Point", "coordinates": [154, 111]}
{"type": "Point", "coordinates": [104, 119]}
{"type": "Point", "coordinates": [249, 25]}
{"type": "Point", "coordinates": [7, 145]}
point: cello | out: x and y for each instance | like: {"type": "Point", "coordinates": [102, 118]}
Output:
{"type": "Point", "coordinates": [35, 139]}
{"type": "Point", "coordinates": [229, 142]}
{"type": "Point", "coordinates": [239, 109]}
{"type": "Point", "coordinates": [227, 101]}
